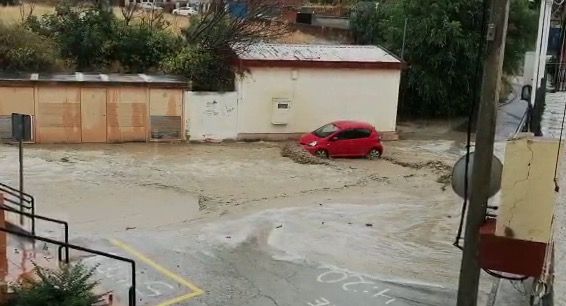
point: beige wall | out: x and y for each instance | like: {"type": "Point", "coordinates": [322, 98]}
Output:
{"type": "Point", "coordinates": [58, 116]}
{"type": "Point", "coordinates": [17, 100]}
{"type": "Point", "coordinates": [318, 96]}
{"type": "Point", "coordinates": [127, 114]}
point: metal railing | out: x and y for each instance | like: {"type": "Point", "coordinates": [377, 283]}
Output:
{"type": "Point", "coordinates": [132, 289]}
{"type": "Point", "coordinates": [40, 217]}
{"type": "Point", "coordinates": [15, 197]}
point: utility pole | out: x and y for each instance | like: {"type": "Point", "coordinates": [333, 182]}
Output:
{"type": "Point", "coordinates": [485, 136]}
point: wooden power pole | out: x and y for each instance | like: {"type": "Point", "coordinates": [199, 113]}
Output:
{"type": "Point", "coordinates": [485, 136]}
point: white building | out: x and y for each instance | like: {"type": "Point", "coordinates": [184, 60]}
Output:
{"type": "Point", "coordinates": [288, 90]}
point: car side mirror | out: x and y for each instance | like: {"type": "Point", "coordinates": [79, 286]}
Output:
{"type": "Point", "coordinates": [526, 92]}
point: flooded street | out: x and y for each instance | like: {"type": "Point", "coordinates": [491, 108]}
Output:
{"type": "Point", "coordinates": [205, 211]}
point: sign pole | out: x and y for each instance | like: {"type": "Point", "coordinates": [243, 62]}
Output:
{"type": "Point", "coordinates": [21, 158]}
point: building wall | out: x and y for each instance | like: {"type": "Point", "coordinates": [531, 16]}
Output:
{"type": "Point", "coordinates": [317, 96]}
{"type": "Point", "coordinates": [527, 190]}
{"type": "Point", "coordinates": [211, 116]}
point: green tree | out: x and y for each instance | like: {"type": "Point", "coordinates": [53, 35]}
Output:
{"type": "Point", "coordinates": [95, 40]}
{"type": "Point", "coordinates": [441, 47]}
{"type": "Point", "coordinates": [211, 40]}
{"type": "Point", "coordinates": [139, 48]}
{"type": "Point", "coordinates": [83, 35]}
{"type": "Point", "coordinates": [207, 70]}
{"type": "Point", "coordinates": [23, 50]}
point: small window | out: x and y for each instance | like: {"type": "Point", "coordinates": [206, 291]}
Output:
{"type": "Point", "coordinates": [282, 106]}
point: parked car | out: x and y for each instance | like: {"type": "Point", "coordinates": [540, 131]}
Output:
{"type": "Point", "coordinates": [344, 139]}
{"type": "Point", "coordinates": [185, 11]}
{"type": "Point", "coordinates": [150, 6]}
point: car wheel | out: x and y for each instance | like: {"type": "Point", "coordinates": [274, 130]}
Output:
{"type": "Point", "coordinates": [322, 154]}
{"type": "Point", "coordinates": [374, 154]}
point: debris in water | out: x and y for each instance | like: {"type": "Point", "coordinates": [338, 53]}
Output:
{"type": "Point", "coordinates": [202, 200]}
{"type": "Point", "coordinates": [130, 228]}
{"type": "Point", "coordinates": [295, 152]}
{"type": "Point", "coordinates": [279, 226]}
{"type": "Point", "coordinates": [369, 224]}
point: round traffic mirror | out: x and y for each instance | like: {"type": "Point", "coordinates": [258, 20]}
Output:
{"type": "Point", "coordinates": [459, 176]}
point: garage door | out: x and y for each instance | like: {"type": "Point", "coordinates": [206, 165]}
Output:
{"type": "Point", "coordinates": [126, 114]}
{"type": "Point", "coordinates": [58, 115]}
{"type": "Point", "coordinates": [166, 109]}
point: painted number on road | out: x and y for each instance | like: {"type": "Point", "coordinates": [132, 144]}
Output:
{"type": "Point", "coordinates": [355, 283]}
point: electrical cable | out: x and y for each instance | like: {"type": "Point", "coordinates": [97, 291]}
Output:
{"type": "Point", "coordinates": [473, 107]}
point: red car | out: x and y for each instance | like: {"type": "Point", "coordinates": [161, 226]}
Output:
{"type": "Point", "coordinates": [344, 139]}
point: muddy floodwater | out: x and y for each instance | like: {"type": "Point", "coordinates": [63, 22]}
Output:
{"type": "Point", "coordinates": [392, 219]}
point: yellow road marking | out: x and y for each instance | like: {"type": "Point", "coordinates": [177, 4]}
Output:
{"type": "Point", "coordinates": [195, 291]}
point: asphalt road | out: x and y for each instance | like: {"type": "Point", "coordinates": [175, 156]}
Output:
{"type": "Point", "coordinates": [246, 275]}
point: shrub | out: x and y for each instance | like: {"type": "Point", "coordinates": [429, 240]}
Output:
{"type": "Point", "coordinates": [69, 286]}
{"type": "Point", "coordinates": [139, 48]}
{"type": "Point", "coordinates": [207, 70]}
{"type": "Point", "coordinates": [83, 35]}
{"type": "Point", "coordinates": [23, 50]}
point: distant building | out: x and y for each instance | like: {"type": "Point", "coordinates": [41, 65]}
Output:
{"type": "Point", "coordinates": [75, 108]}
{"type": "Point", "coordinates": [287, 90]}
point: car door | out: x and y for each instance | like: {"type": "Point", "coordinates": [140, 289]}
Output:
{"type": "Point", "coordinates": [341, 143]}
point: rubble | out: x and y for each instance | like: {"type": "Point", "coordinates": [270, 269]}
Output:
{"type": "Point", "coordinates": [295, 152]}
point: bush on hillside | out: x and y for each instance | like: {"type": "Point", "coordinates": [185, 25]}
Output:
{"type": "Point", "coordinates": [95, 40]}
{"type": "Point", "coordinates": [83, 35]}
{"type": "Point", "coordinates": [23, 50]}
